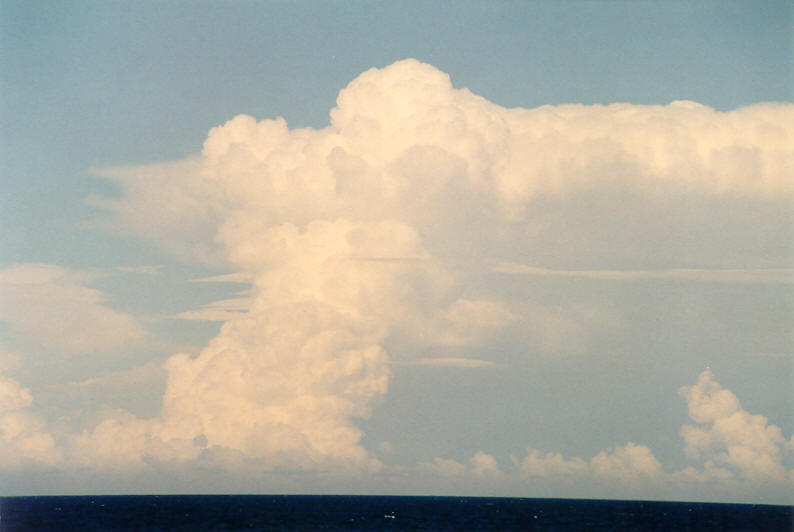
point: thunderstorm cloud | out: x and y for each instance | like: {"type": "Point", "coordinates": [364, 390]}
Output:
{"type": "Point", "coordinates": [389, 233]}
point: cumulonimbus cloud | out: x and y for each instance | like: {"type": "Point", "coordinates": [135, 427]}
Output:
{"type": "Point", "coordinates": [369, 229]}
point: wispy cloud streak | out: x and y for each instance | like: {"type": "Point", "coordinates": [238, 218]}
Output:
{"type": "Point", "coordinates": [771, 275]}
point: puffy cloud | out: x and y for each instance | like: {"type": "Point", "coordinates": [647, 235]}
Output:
{"type": "Point", "coordinates": [24, 439]}
{"type": "Point", "coordinates": [727, 435]}
{"type": "Point", "coordinates": [117, 443]}
{"type": "Point", "coordinates": [403, 143]}
{"type": "Point", "coordinates": [627, 463]}
{"type": "Point", "coordinates": [709, 473]}
{"type": "Point", "coordinates": [12, 395]}
{"type": "Point", "coordinates": [732, 444]}
{"type": "Point", "coordinates": [444, 467]}
{"type": "Point", "coordinates": [373, 228]}
{"type": "Point", "coordinates": [49, 307]}
{"type": "Point", "coordinates": [538, 464]}
{"type": "Point", "coordinates": [484, 465]}
{"type": "Point", "coordinates": [481, 465]}
{"type": "Point", "coordinates": [285, 386]}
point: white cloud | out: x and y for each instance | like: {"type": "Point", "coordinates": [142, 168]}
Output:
{"type": "Point", "coordinates": [372, 228]}
{"type": "Point", "coordinates": [627, 463]}
{"type": "Point", "coordinates": [117, 443]}
{"type": "Point", "coordinates": [445, 467]}
{"type": "Point", "coordinates": [49, 307]}
{"type": "Point", "coordinates": [728, 436]}
{"type": "Point", "coordinates": [404, 144]}
{"type": "Point", "coordinates": [731, 444]}
{"type": "Point", "coordinates": [308, 370]}
{"type": "Point", "coordinates": [24, 439]}
{"type": "Point", "coordinates": [12, 395]}
{"type": "Point", "coordinates": [484, 465]}
{"type": "Point", "coordinates": [481, 465]}
{"type": "Point", "coordinates": [538, 464]}
{"type": "Point", "coordinates": [709, 473]}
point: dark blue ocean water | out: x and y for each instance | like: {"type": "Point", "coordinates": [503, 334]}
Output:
{"type": "Point", "coordinates": [320, 512]}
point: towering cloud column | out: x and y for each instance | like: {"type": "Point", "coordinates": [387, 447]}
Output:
{"type": "Point", "coordinates": [284, 381]}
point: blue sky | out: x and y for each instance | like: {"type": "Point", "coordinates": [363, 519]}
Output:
{"type": "Point", "coordinates": [618, 254]}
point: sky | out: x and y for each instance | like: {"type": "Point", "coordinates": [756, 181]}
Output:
{"type": "Point", "coordinates": [535, 249]}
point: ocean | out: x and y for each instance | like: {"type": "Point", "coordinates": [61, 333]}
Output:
{"type": "Point", "coordinates": [343, 512]}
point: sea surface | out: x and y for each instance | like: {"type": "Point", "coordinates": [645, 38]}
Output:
{"type": "Point", "coordinates": [343, 512]}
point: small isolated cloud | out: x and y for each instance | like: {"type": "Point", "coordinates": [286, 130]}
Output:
{"type": "Point", "coordinates": [484, 465]}
{"type": "Point", "coordinates": [626, 463]}
{"type": "Point", "coordinates": [728, 438]}
{"type": "Point", "coordinates": [629, 462]}
{"type": "Point", "coordinates": [481, 465]}
{"type": "Point", "coordinates": [50, 307]}
{"type": "Point", "coordinates": [445, 467]}
{"type": "Point", "coordinates": [539, 464]}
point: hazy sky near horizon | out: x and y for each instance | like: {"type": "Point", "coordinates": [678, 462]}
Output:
{"type": "Point", "coordinates": [490, 248]}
